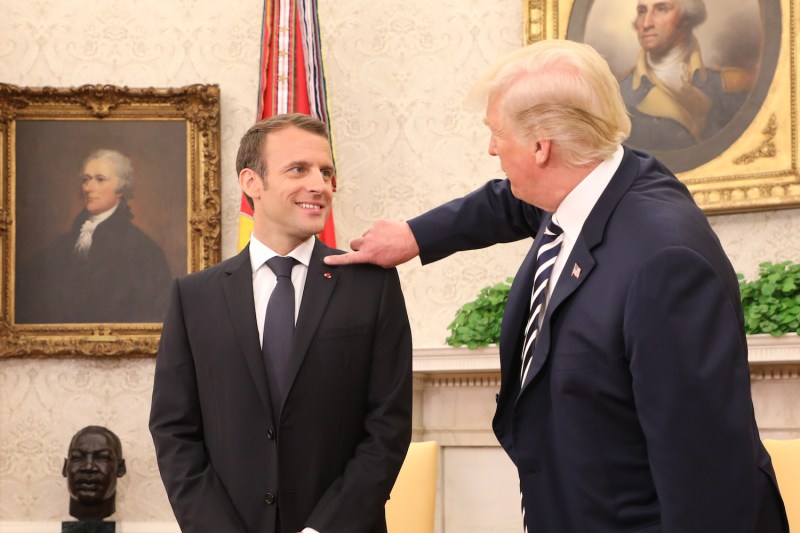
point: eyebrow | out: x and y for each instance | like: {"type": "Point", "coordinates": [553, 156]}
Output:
{"type": "Point", "coordinates": [304, 163]}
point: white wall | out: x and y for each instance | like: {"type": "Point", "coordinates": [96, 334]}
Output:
{"type": "Point", "coordinates": [397, 72]}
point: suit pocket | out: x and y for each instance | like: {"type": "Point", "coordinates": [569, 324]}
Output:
{"type": "Point", "coordinates": [336, 333]}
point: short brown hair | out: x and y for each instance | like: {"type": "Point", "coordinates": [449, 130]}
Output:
{"type": "Point", "coordinates": [250, 147]}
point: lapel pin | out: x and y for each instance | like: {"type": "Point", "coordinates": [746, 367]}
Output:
{"type": "Point", "coordinates": [327, 275]}
{"type": "Point", "coordinates": [576, 271]}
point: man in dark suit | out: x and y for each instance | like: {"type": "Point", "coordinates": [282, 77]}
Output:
{"type": "Point", "coordinates": [248, 441]}
{"type": "Point", "coordinates": [627, 406]}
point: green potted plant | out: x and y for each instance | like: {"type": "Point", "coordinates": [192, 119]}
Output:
{"type": "Point", "coordinates": [771, 304]}
{"type": "Point", "coordinates": [477, 323]}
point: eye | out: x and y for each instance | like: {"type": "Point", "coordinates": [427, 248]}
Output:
{"type": "Point", "coordinates": [327, 175]}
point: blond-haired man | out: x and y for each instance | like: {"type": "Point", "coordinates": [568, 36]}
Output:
{"type": "Point", "coordinates": [625, 396]}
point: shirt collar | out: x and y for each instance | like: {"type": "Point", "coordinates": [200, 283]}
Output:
{"type": "Point", "coordinates": [100, 217]}
{"type": "Point", "coordinates": [575, 208]}
{"type": "Point", "coordinates": [260, 252]}
{"type": "Point", "coordinates": [693, 64]}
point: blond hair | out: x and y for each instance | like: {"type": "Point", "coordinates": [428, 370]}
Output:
{"type": "Point", "coordinates": [559, 90]}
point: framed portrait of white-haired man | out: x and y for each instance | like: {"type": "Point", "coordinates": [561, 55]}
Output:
{"type": "Point", "coordinates": [710, 86]}
{"type": "Point", "coordinates": [108, 193]}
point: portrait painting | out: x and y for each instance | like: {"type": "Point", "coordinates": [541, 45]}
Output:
{"type": "Point", "coordinates": [693, 73]}
{"type": "Point", "coordinates": [110, 193]}
{"type": "Point", "coordinates": [100, 224]}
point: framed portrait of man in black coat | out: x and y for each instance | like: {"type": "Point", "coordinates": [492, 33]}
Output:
{"type": "Point", "coordinates": [115, 193]}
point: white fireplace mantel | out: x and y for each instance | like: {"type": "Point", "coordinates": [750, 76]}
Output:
{"type": "Point", "coordinates": [762, 350]}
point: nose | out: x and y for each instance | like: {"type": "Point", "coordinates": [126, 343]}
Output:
{"type": "Point", "coordinates": [89, 464]}
{"type": "Point", "coordinates": [316, 181]}
{"type": "Point", "coordinates": [492, 146]}
{"type": "Point", "coordinates": [87, 184]}
{"type": "Point", "coordinates": [647, 21]}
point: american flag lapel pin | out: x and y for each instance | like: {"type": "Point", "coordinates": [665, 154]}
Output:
{"type": "Point", "coordinates": [576, 271]}
{"type": "Point", "coordinates": [327, 275]}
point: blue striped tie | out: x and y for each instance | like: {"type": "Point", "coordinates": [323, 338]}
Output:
{"type": "Point", "coordinates": [545, 259]}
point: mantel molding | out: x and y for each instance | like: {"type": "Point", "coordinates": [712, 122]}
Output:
{"type": "Point", "coordinates": [765, 353]}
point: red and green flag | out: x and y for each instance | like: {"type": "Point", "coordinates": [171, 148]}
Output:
{"type": "Point", "coordinates": [291, 79]}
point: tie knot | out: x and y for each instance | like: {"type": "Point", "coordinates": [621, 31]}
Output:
{"type": "Point", "coordinates": [282, 266]}
{"type": "Point", "coordinates": [553, 229]}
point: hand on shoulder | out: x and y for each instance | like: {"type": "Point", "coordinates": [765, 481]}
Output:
{"type": "Point", "coordinates": [387, 243]}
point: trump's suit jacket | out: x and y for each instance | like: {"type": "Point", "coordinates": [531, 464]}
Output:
{"type": "Point", "coordinates": [636, 414]}
{"type": "Point", "coordinates": [331, 458]}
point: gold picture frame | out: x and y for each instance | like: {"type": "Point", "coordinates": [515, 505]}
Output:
{"type": "Point", "coordinates": [752, 163]}
{"type": "Point", "coordinates": [53, 305]}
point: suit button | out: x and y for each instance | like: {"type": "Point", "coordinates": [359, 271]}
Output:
{"type": "Point", "coordinates": [269, 499]}
{"type": "Point", "coordinates": [270, 434]}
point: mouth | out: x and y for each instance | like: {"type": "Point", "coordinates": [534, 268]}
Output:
{"type": "Point", "coordinates": [309, 206]}
{"type": "Point", "coordinates": [87, 484]}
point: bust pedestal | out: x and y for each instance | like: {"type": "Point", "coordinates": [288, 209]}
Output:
{"type": "Point", "coordinates": [88, 526]}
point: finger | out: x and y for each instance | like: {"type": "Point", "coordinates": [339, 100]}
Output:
{"type": "Point", "coordinates": [357, 243]}
{"type": "Point", "coordinates": [345, 259]}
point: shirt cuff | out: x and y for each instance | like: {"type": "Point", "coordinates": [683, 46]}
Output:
{"type": "Point", "coordinates": [309, 530]}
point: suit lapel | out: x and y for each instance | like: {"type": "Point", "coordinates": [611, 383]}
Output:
{"type": "Point", "coordinates": [320, 282]}
{"type": "Point", "coordinates": [592, 234]}
{"type": "Point", "coordinates": [238, 287]}
{"type": "Point", "coordinates": [568, 282]}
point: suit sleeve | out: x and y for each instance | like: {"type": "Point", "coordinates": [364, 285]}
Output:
{"type": "Point", "coordinates": [487, 216]}
{"type": "Point", "coordinates": [355, 501]}
{"type": "Point", "coordinates": [688, 360]}
{"type": "Point", "coordinates": [198, 498]}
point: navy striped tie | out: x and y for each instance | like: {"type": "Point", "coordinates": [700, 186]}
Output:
{"type": "Point", "coordinates": [545, 259]}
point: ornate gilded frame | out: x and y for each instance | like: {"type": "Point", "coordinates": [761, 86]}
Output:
{"type": "Point", "coordinates": [196, 106]}
{"type": "Point", "coordinates": [759, 169]}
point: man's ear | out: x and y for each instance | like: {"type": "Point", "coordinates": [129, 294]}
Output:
{"type": "Point", "coordinates": [251, 183]}
{"type": "Point", "coordinates": [64, 469]}
{"type": "Point", "coordinates": [541, 151]}
{"type": "Point", "coordinates": [121, 468]}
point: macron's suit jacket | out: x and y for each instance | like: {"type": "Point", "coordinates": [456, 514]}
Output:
{"type": "Point", "coordinates": [636, 414]}
{"type": "Point", "coordinates": [329, 462]}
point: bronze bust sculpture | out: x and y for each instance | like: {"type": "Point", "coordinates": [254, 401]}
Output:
{"type": "Point", "coordinates": [93, 464]}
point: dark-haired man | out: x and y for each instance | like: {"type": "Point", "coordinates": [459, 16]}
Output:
{"type": "Point", "coordinates": [282, 398]}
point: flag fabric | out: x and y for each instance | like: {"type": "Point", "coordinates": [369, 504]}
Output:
{"type": "Point", "coordinates": [291, 79]}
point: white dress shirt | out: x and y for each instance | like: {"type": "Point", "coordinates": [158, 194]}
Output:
{"type": "Point", "coordinates": [84, 241]}
{"type": "Point", "coordinates": [575, 208]}
{"type": "Point", "coordinates": [264, 279]}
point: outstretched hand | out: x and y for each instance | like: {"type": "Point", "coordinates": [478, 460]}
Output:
{"type": "Point", "coordinates": [387, 243]}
